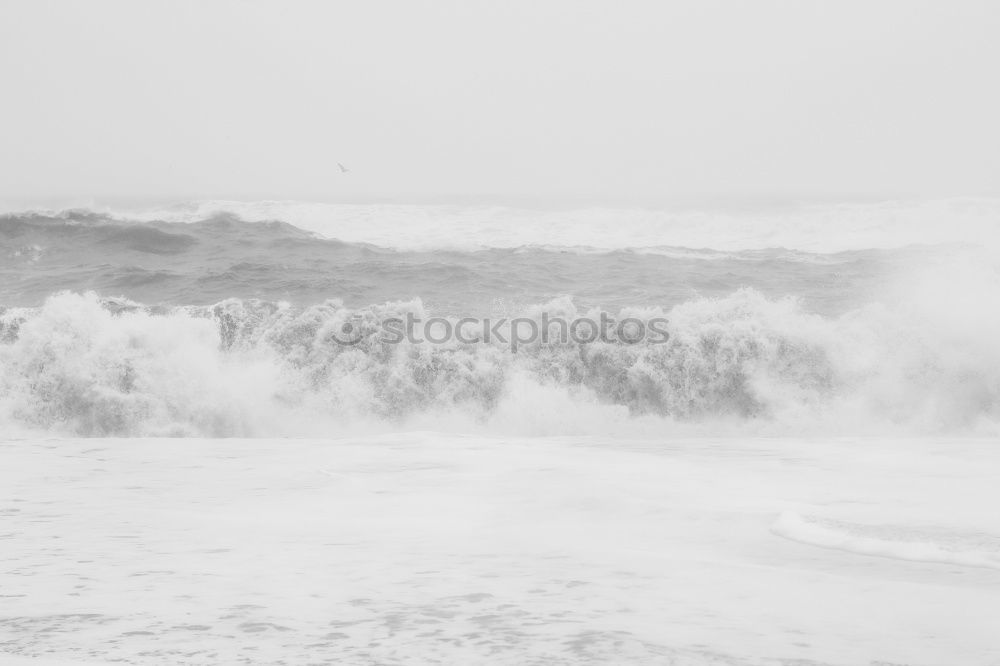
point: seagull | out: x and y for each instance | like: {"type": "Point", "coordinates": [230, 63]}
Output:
{"type": "Point", "coordinates": [343, 169]}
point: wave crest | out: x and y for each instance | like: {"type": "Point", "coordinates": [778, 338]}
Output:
{"type": "Point", "coordinates": [97, 367]}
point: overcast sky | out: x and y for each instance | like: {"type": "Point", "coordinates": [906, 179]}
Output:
{"type": "Point", "coordinates": [560, 99]}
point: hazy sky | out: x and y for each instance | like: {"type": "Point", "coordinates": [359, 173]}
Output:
{"type": "Point", "coordinates": [622, 100]}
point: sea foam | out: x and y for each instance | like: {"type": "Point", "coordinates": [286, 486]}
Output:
{"type": "Point", "coordinates": [85, 365]}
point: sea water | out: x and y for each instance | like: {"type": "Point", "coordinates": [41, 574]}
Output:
{"type": "Point", "coordinates": [197, 471]}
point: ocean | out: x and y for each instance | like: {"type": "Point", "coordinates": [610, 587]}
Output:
{"type": "Point", "coordinates": [217, 452]}
{"type": "Point", "coordinates": [222, 319]}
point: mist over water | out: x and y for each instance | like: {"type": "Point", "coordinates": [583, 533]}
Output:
{"type": "Point", "coordinates": [208, 322]}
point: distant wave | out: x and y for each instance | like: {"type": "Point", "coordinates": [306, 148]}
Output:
{"type": "Point", "coordinates": [744, 363]}
{"type": "Point", "coordinates": [815, 228]}
{"type": "Point", "coordinates": [223, 256]}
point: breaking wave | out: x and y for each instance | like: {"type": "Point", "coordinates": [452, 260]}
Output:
{"type": "Point", "coordinates": [744, 363]}
{"type": "Point", "coordinates": [220, 323]}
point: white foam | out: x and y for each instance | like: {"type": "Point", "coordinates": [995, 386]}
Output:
{"type": "Point", "coordinates": [420, 548]}
{"type": "Point", "coordinates": [742, 363]}
{"type": "Point", "coordinates": [15, 660]}
{"type": "Point", "coordinates": [851, 539]}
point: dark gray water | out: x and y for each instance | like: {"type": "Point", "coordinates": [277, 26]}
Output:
{"type": "Point", "coordinates": [223, 257]}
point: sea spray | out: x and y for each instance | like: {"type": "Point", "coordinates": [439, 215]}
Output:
{"type": "Point", "coordinates": [90, 366]}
